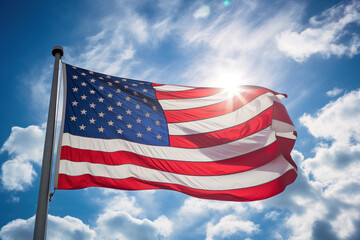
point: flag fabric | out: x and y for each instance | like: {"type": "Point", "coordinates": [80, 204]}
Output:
{"type": "Point", "coordinates": [210, 143]}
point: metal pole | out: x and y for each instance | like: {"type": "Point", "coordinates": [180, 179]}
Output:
{"type": "Point", "coordinates": [45, 179]}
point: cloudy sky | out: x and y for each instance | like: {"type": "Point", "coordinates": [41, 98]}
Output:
{"type": "Point", "coordinates": [308, 49]}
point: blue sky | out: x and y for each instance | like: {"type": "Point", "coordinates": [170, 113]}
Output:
{"type": "Point", "coordinates": [307, 49]}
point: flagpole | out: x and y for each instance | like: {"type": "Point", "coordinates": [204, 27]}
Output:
{"type": "Point", "coordinates": [45, 179]}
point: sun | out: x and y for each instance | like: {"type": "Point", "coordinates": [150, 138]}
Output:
{"type": "Point", "coordinates": [230, 82]}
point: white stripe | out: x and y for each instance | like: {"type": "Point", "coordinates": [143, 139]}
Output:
{"type": "Point", "coordinates": [215, 153]}
{"type": "Point", "coordinates": [171, 88]}
{"type": "Point", "coordinates": [251, 178]}
{"type": "Point", "coordinates": [239, 116]}
{"type": "Point", "coordinates": [289, 135]}
{"type": "Point", "coordinates": [180, 104]}
{"type": "Point", "coordinates": [280, 126]}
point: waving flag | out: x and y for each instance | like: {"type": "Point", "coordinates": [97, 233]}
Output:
{"type": "Point", "coordinates": [205, 142]}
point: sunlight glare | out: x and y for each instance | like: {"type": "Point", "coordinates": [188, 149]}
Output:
{"type": "Point", "coordinates": [231, 83]}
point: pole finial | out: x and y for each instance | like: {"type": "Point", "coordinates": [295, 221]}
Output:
{"type": "Point", "coordinates": [58, 49]}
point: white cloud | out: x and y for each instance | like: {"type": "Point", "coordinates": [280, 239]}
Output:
{"type": "Point", "coordinates": [17, 174]}
{"type": "Point", "coordinates": [203, 213]}
{"type": "Point", "coordinates": [336, 164]}
{"type": "Point", "coordinates": [273, 215]}
{"type": "Point", "coordinates": [122, 218]}
{"type": "Point", "coordinates": [25, 147]}
{"type": "Point", "coordinates": [324, 35]}
{"type": "Point", "coordinates": [194, 210]}
{"type": "Point", "coordinates": [58, 229]}
{"type": "Point", "coordinates": [164, 226]}
{"type": "Point", "coordinates": [230, 225]}
{"type": "Point", "coordinates": [202, 12]}
{"type": "Point", "coordinates": [121, 225]}
{"type": "Point", "coordinates": [337, 120]}
{"type": "Point", "coordinates": [334, 92]}
{"type": "Point", "coordinates": [196, 206]}
{"type": "Point", "coordinates": [344, 224]}
{"type": "Point", "coordinates": [25, 143]}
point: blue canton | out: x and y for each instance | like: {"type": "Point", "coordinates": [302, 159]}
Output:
{"type": "Point", "coordinates": [108, 107]}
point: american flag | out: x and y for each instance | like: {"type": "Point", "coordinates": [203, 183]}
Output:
{"type": "Point", "coordinates": [206, 142]}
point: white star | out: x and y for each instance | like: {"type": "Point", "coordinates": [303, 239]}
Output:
{"type": "Point", "coordinates": [74, 103]}
{"type": "Point", "coordinates": [137, 106]}
{"type": "Point", "coordinates": [126, 87]}
{"type": "Point", "coordinates": [83, 112]}
{"type": "Point", "coordinates": [139, 134]}
{"type": "Point", "coordinates": [92, 91]}
{"type": "Point", "coordinates": [119, 117]}
{"type": "Point", "coordinates": [75, 89]}
{"type": "Point", "coordinates": [101, 78]}
{"type": "Point", "coordinates": [118, 90]}
{"type": "Point", "coordinates": [101, 88]}
{"type": "Point", "coordinates": [108, 77]}
{"type": "Point", "coordinates": [91, 72]}
{"type": "Point", "coordinates": [148, 129]}
{"type": "Point", "coordinates": [128, 112]}
{"type": "Point", "coordinates": [129, 125]}
{"type": "Point", "coordinates": [92, 105]}
{"type": "Point", "coordinates": [144, 90]}
{"type": "Point", "coordinates": [92, 80]}
{"type": "Point", "coordinates": [147, 114]}
{"type": "Point", "coordinates": [75, 77]}
{"type": "Point", "coordinates": [138, 120]}
{"type": "Point", "coordinates": [118, 103]}
{"type": "Point", "coordinates": [157, 122]}
{"type": "Point", "coordinates": [110, 95]}
{"type": "Point", "coordinates": [74, 67]}
{"type": "Point", "coordinates": [110, 83]}
{"type": "Point", "coordinates": [111, 123]}
{"type": "Point", "coordinates": [92, 121]}
{"type": "Point", "coordinates": [101, 99]}
{"type": "Point", "coordinates": [117, 81]}
{"type": "Point", "coordinates": [135, 93]}
{"type": "Point", "coordinates": [82, 127]}
{"type": "Point", "coordinates": [101, 114]}
{"type": "Point", "coordinates": [101, 129]}
{"type": "Point", "coordinates": [154, 108]}
{"type": "Point", "coordinates": [145, 100]}
{"type": "Point", "coordinates": [128, 98]}
{"type": "Point", "coordinates": [159, 137]}
{"type": "Point", "coordinates": [83, 97]}
{"type": "Point", "coordinates": [110, 108]}
{"type": "Point", "coordinates": [124, 80]}
{"type": "Point", "coordinates": [73, 118]}
{"type": "Point", "coordinates": [83, 74]}
{"type": "Point", "coordinates": [119, 131]}
{"type": "Point", "coordinates": [83, 84]}
{"type": "Point", "coordinates": [142, 83]}
{"type": "Point", "coordinates": [135, 85]}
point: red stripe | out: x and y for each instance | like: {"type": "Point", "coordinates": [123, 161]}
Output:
{"type": "Point", "coordinates": [246, 194]}
{"type": "Point", "coordinates": [230, 105]}
{"type": "Point", "coordinates": [285, 147]}
{"type": "Point", "coordinates": [193, 93]}
{"type": "Point", "coordinates": [156, 84]}
{"type": "Point", "coordinates": [255, 124]}
{"type": "Point", "coordinates": [232, 165]}
{"type": "Point", "coordinates": [281, 114]}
